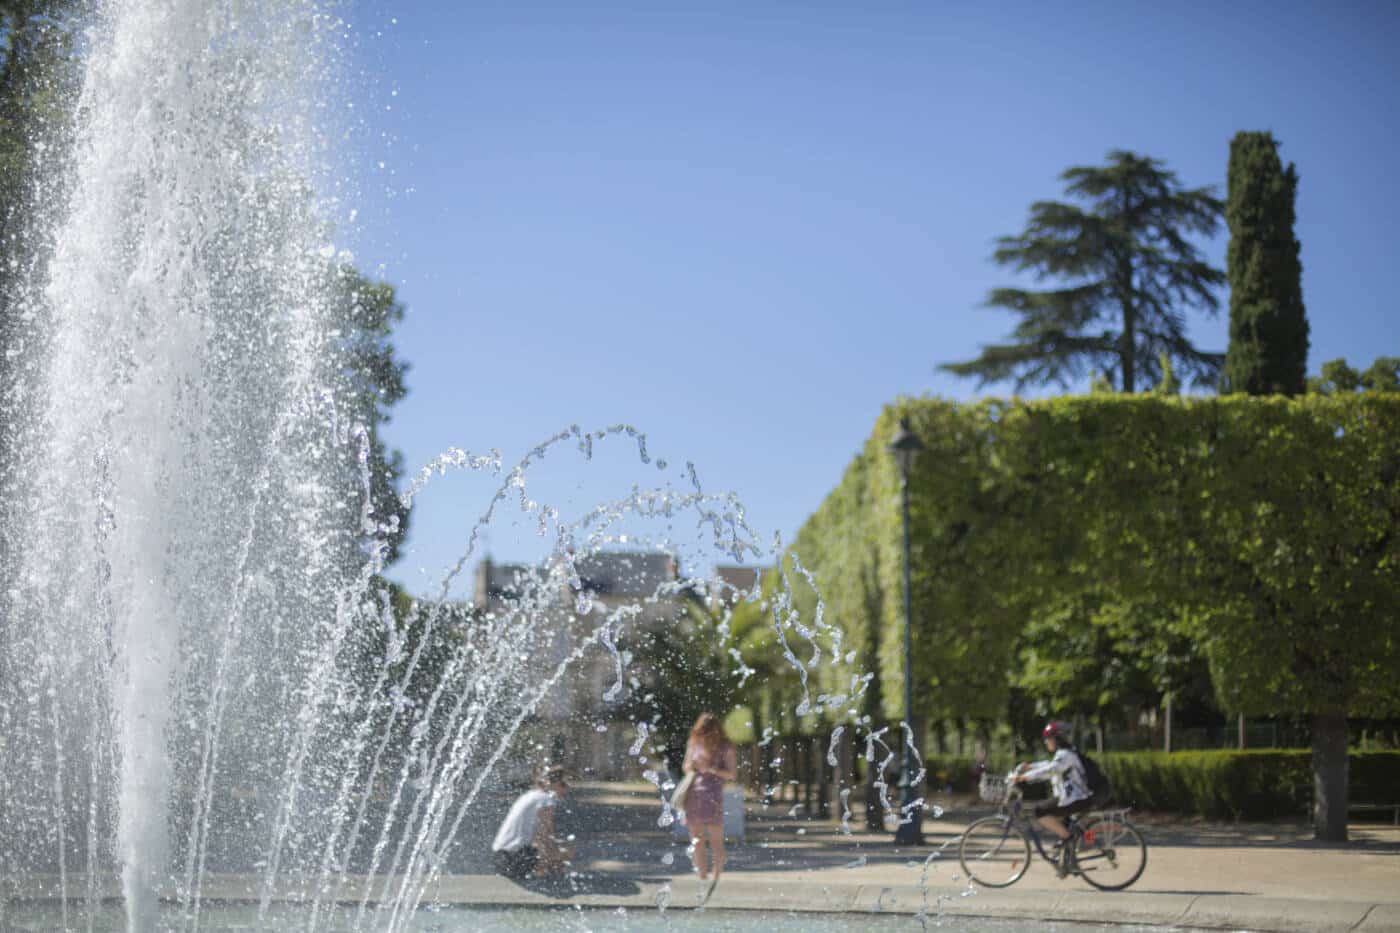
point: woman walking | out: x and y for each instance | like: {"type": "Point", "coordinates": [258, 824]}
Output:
{"type": "Point", "coordinates": [711, 758]}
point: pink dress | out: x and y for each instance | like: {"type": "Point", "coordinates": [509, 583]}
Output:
{"type": "Point", "coordinates": [704, 803]}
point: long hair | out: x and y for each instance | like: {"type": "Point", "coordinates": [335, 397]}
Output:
{"type": "Point", "coordinates": [708, 733]}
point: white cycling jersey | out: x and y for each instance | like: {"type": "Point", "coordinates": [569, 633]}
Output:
{"type": "Point", "coordinates": [1065, 772]}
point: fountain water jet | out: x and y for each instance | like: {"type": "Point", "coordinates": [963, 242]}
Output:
{"type": "Point", "coordinates": [202, 673]}
{"type": "Point", "coordinates": [186, 324]}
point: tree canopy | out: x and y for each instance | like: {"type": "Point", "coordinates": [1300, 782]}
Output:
{"type": "Point", "coordinates": [1129, 271]}
{"type": "Point", "coordinates": [1383, 375]}
{"type": "Point", "coordinates": [1155, 534]}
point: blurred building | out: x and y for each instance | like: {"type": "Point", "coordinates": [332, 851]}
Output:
{"type": "Point", "coordinates": [580, 724]}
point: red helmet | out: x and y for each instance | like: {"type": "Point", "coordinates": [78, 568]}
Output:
{"type": "Point", "coordinates": [1055, 729]}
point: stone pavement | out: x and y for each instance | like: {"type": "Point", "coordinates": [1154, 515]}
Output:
{"type": "Point", "coordinates": [1266, 877]}
{"type": "Point", "coordinates": [1199, 875]}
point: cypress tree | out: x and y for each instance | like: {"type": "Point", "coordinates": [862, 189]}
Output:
{"type": "Point", "coordinates": [1268, 350]}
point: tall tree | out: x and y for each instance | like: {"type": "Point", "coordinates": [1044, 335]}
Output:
{"type": "Point", "coordinates": [376, 381]}
{"type": "Point", "coordinates": [1128, 270]}
{"type": "Point", "coordinates": [1268, 352]}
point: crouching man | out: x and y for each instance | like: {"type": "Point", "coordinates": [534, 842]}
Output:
{"type": "Point", "coordinates": [525, 845]}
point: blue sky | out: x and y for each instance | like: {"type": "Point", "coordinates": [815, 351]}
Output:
{"type": "Point", "coordinates": [743, 227]}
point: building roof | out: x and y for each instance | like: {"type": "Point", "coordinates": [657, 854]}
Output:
{"type": "Point", "coordinates": [607, 573]}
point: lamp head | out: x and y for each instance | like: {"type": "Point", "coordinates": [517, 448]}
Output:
{"type": "Point", "coordinates": [905, 447]}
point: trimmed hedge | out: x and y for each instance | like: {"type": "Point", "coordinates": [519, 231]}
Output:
{"type": "Point", "coordinates": [1222, 785]}
{"type": "Point", "coordinates": [957, 772]}
{"type": "Point", "coordinates": [1234, 785]}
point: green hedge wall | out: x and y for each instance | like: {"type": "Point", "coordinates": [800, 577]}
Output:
{"type": "Point", "coordinates": [1214, 784]}
{"type": "Point", "coordinates": [1260, 530]}
{"type": "Point", "coordinates": [1221, 785]}
{"type": "Point", "coordinates": [1233, 785]}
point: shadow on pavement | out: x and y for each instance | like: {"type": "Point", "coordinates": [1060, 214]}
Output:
{"type": "Point", "coordinates": [1202, 893]}
{"type": "Point", "coordinates": [581, 882]}
{"type": "Point", "coordinates": [620, 844]}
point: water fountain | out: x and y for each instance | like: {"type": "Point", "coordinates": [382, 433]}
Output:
{"type": "Point", "coordinates": [205, 690]}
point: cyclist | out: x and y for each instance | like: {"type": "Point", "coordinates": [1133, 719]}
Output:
{"type": "Point", "coordinates": [1065, 772]}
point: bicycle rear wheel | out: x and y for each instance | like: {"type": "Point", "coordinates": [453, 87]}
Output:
{"type": "Point", "coordinates": [1111, 853]}
{"type": "Point", "coordinates": [994, 852]}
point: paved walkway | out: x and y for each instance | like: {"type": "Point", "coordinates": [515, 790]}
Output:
{"type": "Point", "coordinates": [1256, 877]}
{"type": "Point", "coordinates": [1249, 877]}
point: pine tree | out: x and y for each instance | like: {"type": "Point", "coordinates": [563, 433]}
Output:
{"type": "Point", "coordinates": [1268, 351]}
{"type": "Point", "coordinates": [1129, 272]}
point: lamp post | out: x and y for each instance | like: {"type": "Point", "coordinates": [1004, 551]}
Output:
{"type": "Point", "coordinates": [905, 447]}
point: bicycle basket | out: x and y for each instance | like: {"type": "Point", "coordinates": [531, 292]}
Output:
{"type": "Point", "coordinates": [992, 788]}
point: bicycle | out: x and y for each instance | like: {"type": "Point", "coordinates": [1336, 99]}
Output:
{"type": "Point", "coordinates": [1104, 849]}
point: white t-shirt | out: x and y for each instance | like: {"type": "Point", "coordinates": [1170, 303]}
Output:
{"type": "Point", "coordinates": [1066, 775]}
{"type": "Point", "coordinates": [518, 828]}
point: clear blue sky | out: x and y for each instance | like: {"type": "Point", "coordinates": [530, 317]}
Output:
{"type": "Point", "coordinates": [743, 227]}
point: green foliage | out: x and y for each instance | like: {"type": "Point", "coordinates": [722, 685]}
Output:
{"type": "Point", "coordinates": [405, 659]}
{"type": "Point", "coordinates": [1222, 785]}
{"type": "Point", "coordinates": [1053, 539]}
{"type": "Point", "coordinates": [374, 378]}
{"type": "Point", "coordinates": [684, 671]}
{"type": "Point", "coordinates": [959, 772]}
{"type": "Point", "coordinates": [1094, 654]}
{"type": "Point", "coordinates": [1233, 785]}
{"type": "Point", "coordinates": [1214, 784]}
{"type": "Point", "coordinates": [36, 57]}
{"type": "Point", "coordinates": [1169, 384]}
{"type": "Point", "coordinates": [1336, 376]}
{"type": "Point", "coordinates": [38, 76]}
{"type": "Point", "coordinates": [1128, 271]}
{"type": "Point", "coordinates": [1298, 603]}
{"type": "Point", "coordinates": [1268, 350]}
{"type": "Point", "coordinates": [739, 726]}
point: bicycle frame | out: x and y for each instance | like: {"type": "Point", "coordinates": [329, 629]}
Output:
{"type": "Point", "coordinates": [1013, 807]}
{"type": "Point", "coordinates": [1095, 849]}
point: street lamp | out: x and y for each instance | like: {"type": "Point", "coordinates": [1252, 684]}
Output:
{"type": "Point", "coordinates": [905, 447]}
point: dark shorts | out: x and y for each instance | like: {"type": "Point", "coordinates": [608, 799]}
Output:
{"type": "Point", "coordinates": [1051, 808]}
{"type": "Point", "coordinates": [517, 865]}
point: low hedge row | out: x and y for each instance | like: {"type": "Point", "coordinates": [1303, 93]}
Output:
{"type": "Point", "coordinates": [1227, 785]}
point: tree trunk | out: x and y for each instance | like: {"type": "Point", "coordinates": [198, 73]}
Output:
{"type": "Point", "coordinates": [1329, 767]}
{"type": "Point", "coordinates": [809, 774]}
{"type": "Point", "coordinates": [1167, 728]}
{"type": "Point", "coordinates": [1241, 726]}
{"type": "Point", "coordinates": [1127, 295]}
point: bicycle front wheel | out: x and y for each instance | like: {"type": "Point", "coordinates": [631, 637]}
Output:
{"type": "Point", "coordinates": [994, 852]}
{"type": "Point", "coordinates": [1111, 853]}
